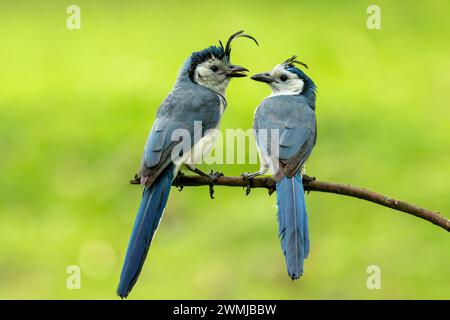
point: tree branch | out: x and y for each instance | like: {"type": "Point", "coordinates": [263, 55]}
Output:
{"type": "Point", "coordinates": [310, 184]}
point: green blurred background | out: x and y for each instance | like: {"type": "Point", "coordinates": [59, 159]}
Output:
{"type": "Point", "coordinates": [76, 107]}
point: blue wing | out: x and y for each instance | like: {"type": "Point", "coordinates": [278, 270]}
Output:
{"type": "Point", "coordinates": [180, 110]}
{"type": "Point", "coordinates": [185, 105]}
{"type": "Point", "coordinates": [296, 124]}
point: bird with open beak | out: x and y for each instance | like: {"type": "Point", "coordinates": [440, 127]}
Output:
{"type": "Point", "coordinates": [197, 97]}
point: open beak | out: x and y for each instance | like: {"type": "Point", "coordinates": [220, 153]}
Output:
{"type": "Point", "coordinates": [263, 77]}
{"type": "Point", "coordinates": [236, 71]}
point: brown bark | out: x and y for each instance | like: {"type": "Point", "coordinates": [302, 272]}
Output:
{"type": "Point", "coordinates": [310, 184]}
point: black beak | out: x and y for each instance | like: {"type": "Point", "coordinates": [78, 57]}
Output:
{"type": "Point", "coordinates": [236, 71]}
{"type": "Point", "coordinates": [263, 77]}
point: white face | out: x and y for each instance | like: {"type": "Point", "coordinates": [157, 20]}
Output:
{"type": "Point", "coordinates": [285, 82]}
{"type": "Point", "coordinates": [212, 74]}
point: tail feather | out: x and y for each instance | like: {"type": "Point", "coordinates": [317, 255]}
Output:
{"type": "Point", "coordinates": [293, 223]}
{"type": "Point", "coordinates": [153, 202]}
{"type": "Point", "coordinates": [305, 226]}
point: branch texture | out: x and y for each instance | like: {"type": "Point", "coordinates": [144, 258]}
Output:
{"type": "Point", "coordinates": [310, 184]}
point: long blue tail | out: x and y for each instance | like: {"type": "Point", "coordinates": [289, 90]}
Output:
{"type": "Point", "coordinates": [293, 224]}
{"type": "Point", "coordinates": [153, 202]}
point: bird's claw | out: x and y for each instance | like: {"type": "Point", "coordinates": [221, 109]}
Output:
{"type": "Point", "coordinates": [136, 179]}
{"type": "Point", "coordinates": [247, 177]}
{"type": "Point", "coordinates": [178, 183]}
{"type": "Point", "coordinates": [307, 179]}
{"type": "Point", "coordinates": [213, 176]}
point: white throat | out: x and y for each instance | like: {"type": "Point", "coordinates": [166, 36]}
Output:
{"type": "Point", "coordinates": [284, 93]}
{"type": "Point", "coordinates": [219, 87]}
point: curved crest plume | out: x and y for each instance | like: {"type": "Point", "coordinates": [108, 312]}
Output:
{"type": "Point", "coordinates": [290, 62]}
{"type": "Point", "coordinates": [239, 34]}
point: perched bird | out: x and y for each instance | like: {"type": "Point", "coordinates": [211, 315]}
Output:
{"type": "Point", "coordinates": [198, 97]}
{"type": "Point", "coordinates": [285, 131]}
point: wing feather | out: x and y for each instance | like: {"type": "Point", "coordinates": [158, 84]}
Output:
{"type": "Point", "coordinates": [296, 122]}
{"type": "Point", "coordinates": [178, 112]}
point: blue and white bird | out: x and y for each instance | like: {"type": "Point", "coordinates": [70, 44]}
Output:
{"type": "Point", "coordinates": [198, 97]}
{"type": "Point", "coordinates": [285, 132]}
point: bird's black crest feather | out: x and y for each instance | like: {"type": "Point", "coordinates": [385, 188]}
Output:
{"type": "Point", "coordinates": [203, 55]}
{"type": "Point", "coordinates": [293, 60]}
{"type": "Point", "coordinates": [219, 52]}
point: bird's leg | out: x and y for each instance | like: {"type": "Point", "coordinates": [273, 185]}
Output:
{"type": "Point", "coordinates": [213, 177]}
{"type": "Point", "coordinates": [251, 175]}
{"type": "Point", "coordinates": [248, 177]}
{"type": "Point", "coordinates": [192, 168]}
{"type": "Point", "coordinates": [305, 177]}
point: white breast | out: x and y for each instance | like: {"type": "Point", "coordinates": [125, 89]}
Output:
{"type": "Point", "coordinates": [204, 146]}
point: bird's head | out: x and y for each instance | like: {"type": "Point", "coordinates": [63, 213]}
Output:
{"type": "Point", "coordinates": [211, 67]}
{"type": "Point", "coordinates": [286, 78]}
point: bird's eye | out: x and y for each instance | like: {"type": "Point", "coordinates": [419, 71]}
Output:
{"type": "Point", "coordinates": [283, 77]}
{"type": "Point", "coordinates": [214, 68]}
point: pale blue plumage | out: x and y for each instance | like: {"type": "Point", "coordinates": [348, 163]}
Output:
{"type": "Point", "coordinates": [186, 103]}
{"type": "Point", "coordinates": [292, 116]}
{"type": "Point", "coordinates": [191, 105]}
{"type": "Point", "coordinates": [293, 223]}
{"type": "Point", "coordinates": [295, 121]}
{"type": "Point", "coordinates": [153, 201]}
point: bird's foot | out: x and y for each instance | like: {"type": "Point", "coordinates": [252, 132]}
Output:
{"type": "Point", "coordinates": [177, 180]}
{"type": "Point", "coordinates": [213, 176]}
{"type": "Point", "coordinates": [197, 171]}
{"type": "Point", "coordinates": [307, 179]}
{"type": "Point", "coordinates": [136, 179]}
{"type": "Point", "coordinates": [248, 177]}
